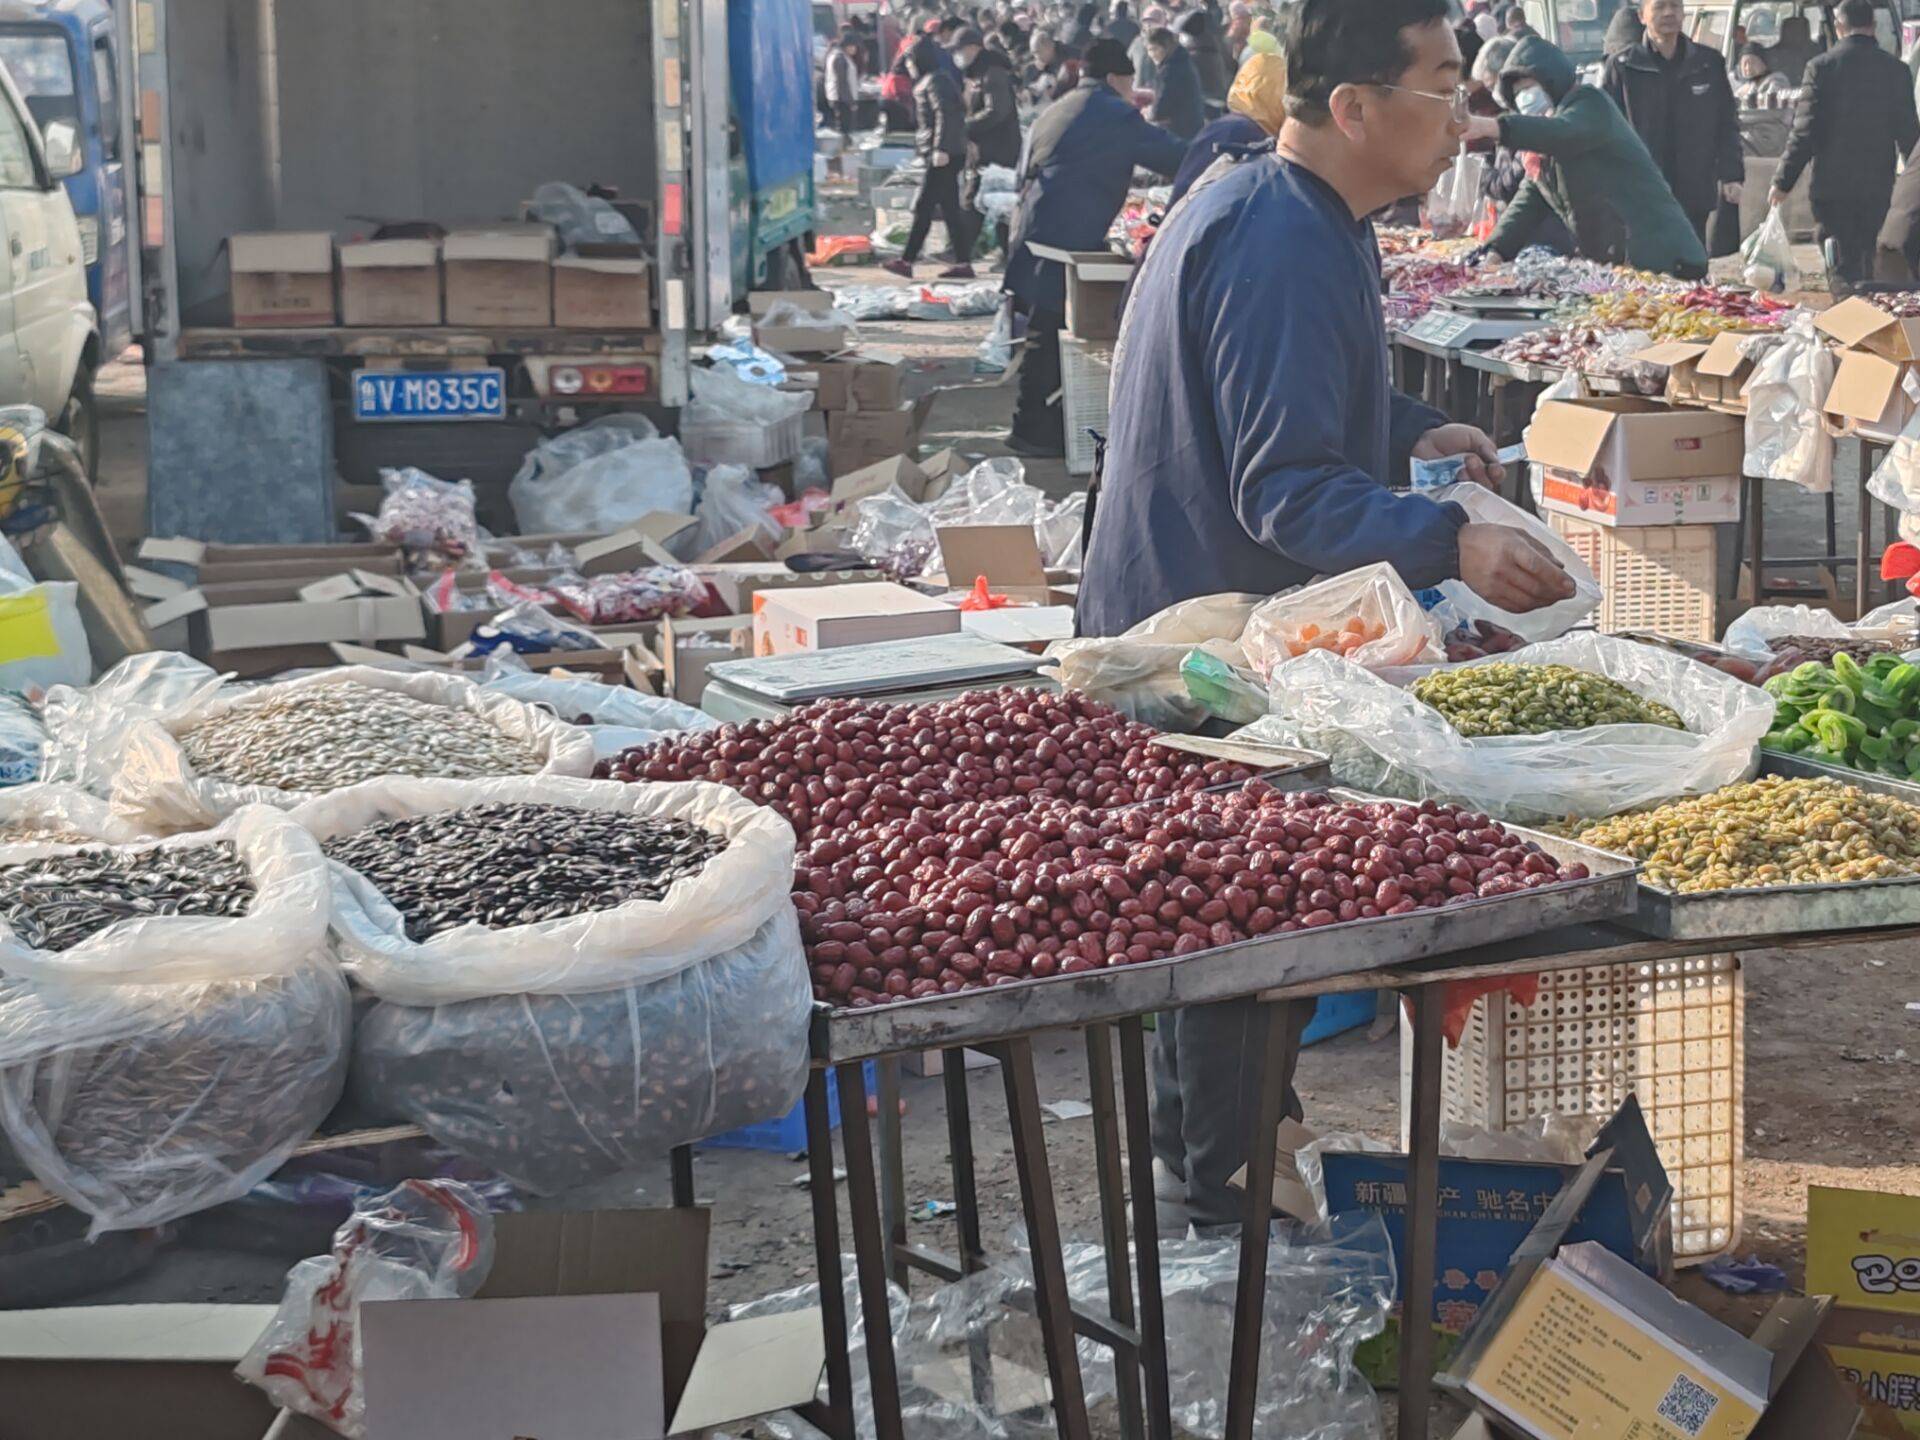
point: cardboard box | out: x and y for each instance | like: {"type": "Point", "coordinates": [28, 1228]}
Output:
{"type": "Point", "coordinates": [1682, 359]}
{"type": "Point", "coordinates": [602, 293]}
{"type": "Point", "coordinates": [688, 647]}
{"type": "Point", "coordinates": [797, 339]}
{"type": "Point", "coordinates": [1008, 556]}
{"type": "Point", "coordinates": [282, 279]}
{"type": "Point", "coordinates": [860, 438]}
{"type": "Point", "coordinates": [736, 584]}
{"type": "Point", "coordinates": [1863, 1248]}
{"type": "Point", "coordinates": [787, 621]}
{"type": "Point", "coordinates": [1871, 395]}
{"type": "Point", "coordinates": [499, 275]}
{"type": "Point", "coordinates": [259, 627]}
{"type": "Point", "coordinates": [1623, 460]}
{"type": "Point", "coordinates": [390, 282]}
{"type": "Point", "coordinates": [1859, 324]}
{"type": "Point", "coordinates": [1727, 366]}
{"type": "Point", "coordinates": [1096, 288]}
{"type": "Point", "coordinates": [859, 380]}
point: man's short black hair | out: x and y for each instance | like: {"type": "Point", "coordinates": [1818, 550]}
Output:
{"type": "Point", "coordinates": [1856, 14]}
{"type": "Point", "coordinates": [1163, 38]}
{"type": "Point", "coordinates": [1330, 43]}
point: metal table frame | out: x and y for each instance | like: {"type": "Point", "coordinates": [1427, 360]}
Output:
{"type": "Point", "coordinates": [1136, 1330]}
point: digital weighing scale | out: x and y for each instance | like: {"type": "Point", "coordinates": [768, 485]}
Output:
{"type": "Point", "coordinates": [1460, 321]}
{"type": "Point", "coordinates": [900, 671]}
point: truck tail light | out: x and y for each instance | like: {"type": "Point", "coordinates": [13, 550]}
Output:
{"type": "Point", "coordinates": [593, 382]}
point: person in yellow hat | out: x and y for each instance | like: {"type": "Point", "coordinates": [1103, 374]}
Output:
{"type": "Point", "coordinates": [1256, 106]}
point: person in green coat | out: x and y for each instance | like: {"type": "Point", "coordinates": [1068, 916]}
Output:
{"type": "Point", "coordinates": [1596, 173]}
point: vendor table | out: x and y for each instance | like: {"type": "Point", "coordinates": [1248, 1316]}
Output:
{"type": "Point", "coordinates": [1115, 999]}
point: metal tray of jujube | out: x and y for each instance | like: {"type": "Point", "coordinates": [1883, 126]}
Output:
{"type": "Point", "coordinates": [842, 1035]}
{"type": "Point", "coordinates": [1786, 910]}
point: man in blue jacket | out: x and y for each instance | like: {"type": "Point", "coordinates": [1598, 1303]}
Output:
{"type": "Point", "coordinates": [1254, 432]}
{"type": "Point", "coordinates": [1079, 161]}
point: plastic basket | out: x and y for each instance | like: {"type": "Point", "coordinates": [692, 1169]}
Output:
{"type": "Point", "coordinates": [1337, 1014]}
{"type": "Point", "coordinates": [1085, 369]}
{"type": "Point", "coordinates": [743, 442]}
{"type": "Point", "coordinates": [789, 1132]}
{"type": "Point", "coordinates": [1670, 1032]}
{"type": "Point", "coordinates": [1661, 578]}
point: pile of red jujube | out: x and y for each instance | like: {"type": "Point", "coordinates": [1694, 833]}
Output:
{"type": "Point", "coordinates": [840, 763]}
{"type": "Point", "coordinates": [990, 860]}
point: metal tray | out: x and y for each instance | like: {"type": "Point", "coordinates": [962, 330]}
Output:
{"type": "Point", "coordinates": [1233, 971]}
{"type": "Point", "coordinates": [1781, 911]}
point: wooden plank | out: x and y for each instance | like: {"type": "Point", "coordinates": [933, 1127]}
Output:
{"type": "Point", "coordinates": [205, 343]}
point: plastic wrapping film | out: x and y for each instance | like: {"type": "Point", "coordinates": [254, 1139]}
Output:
{"type": "Point", "coordinates": [426, 515]}
{"type": "Point", "coordinates": [1372, 601]}
{"type": "Point", "coordinates": [1786, 433]}
{"type": "Point", "coordinates": [1329, 1288]}
{"type": "Point", "coordinates": [579, 218]}
{"type": "Point", "coordinates": [154, 786]}
{"type": "Point", "coordinates": [571, 1050]}
{"type": "Point", "coordinates": [422, 1240]}
{"type": "Point", "coordinates": [171, 1063]}
{"type": "Point", "coordinates": [1459, 604]}
{"type": "Point", "coordinates": [1381, 739]}
{"type": "Point", "coordinates": [44, 819]}
{"type": "Point", "coordinates": [599, 477]}
{"type": "Point", "coordinates": [732, 499]}
{"type": "Point", "coordinates": [1139, 671]}
{"type": "Point", "coordinates": [87, 725]}
{"type": "Point", "coordinates": [899, 533]}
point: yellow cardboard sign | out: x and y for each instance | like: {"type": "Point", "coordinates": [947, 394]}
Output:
{"type": "Point", "coordinates": [1569, 1365]}
{"type": "Point", "coordinates": [1889, 1385]}
{"type": "Point", "coordinates": [1863, 1248]}
{"type": "Point", "coordinates": [26, 627]}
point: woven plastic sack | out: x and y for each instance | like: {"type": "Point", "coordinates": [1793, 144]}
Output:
{"type": "Point", "coordinates": [171, 1063]}
{"type": "Point", "coordinates": [567, 1051]}
{"type": "Point", "coordinates": [421, 1240]}
{"type": "Point", "coordinates": [1460, 605]}
{"type": "Point", "coordinates": [154, 785]}
{"type": "Point", "coordinates": [1381, 739]}
{"type": "Point", "coordinates": [1368, 615]}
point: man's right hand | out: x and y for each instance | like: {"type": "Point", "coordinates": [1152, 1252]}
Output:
{"type": "Point", "coordinates": [1509, 568]}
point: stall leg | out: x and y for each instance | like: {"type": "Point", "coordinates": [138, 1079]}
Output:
{"type": "Point", "coordinates": [1113, 1226]}
{"type": "Point", "coordinates": [966, 1208]}
{"type": "Point", "coordinates": [1833, 545]}
{"type": "Point", "coordinates": [870, 1252]}
{"type": "Point", "coordinates": [1866, 565]}
{"type": "Point", "coordinates": [1423, 1214]}
{"type": "Point", "coordinates": [1754, 520]}
{"type": "Point", "coordinates": [893, 1180]}
{"type": "Point", "coordinates": [835, 1417]}
{"type": "Point", "coordinates": [1043, 1232]}
{"type": "Point", "coordinates": [1268, 1078]}
{"type": "Point", "coordinates": [1146, 1227]}
{"type": "Point", "coordinates": [681, 1159]}
{"type": "Point", "coordinates": [1497, 388]}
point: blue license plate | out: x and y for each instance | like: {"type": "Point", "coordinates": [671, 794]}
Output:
{"type": "Point", "coordinates": [430, 394]}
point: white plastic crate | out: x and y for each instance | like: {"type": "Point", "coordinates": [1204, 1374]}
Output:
{"type": "Point", "coordinates": [743, 442]}
{"type": "Point", "coordinates": [1669, 1031]}
{"type": "Point", "coordinates": [1086, 368]}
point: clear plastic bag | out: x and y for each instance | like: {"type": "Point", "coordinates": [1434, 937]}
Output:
{"type": "Point", "coordinates": [1367, 615]}
{"type": "Point", "coordinates": [1786, 434]}
{"type": "Point", "coordinates": [1382, 739]}
{"type": "Point", "coordinates": [42, 638]}
{"type": "Point", "coordinates": [721, 397]}
{"type": "Point", "coordinates": [733, 500]}
{"type": "Point", "coordinates": [170, 1063]}
{"type": "Point", "coordinates": [995, 352]}
{"type": "Point", "coordinates": [527, 627]}
{"type": "Point", "coordinates": [1749, 634]}
{"type": "Point", "coordinates": [570, 1050]}
{"type": "Point", "coordinates": [588, 702]}
{"type": "Point", "coordinates": [422, 1240]}
{"type": "Point", "coordinates": [23, 742]}
{"type": "Point", "coordinates": [580, 218]}
{"type": "Point", "coordinates": [1460, 605]}
{"type": "Point", "coordinates": [1139, 672]}
{"type": "Point", "coordinates": [599, 477]}
{"type": "Point", "coordinates": [634, 597]}
{"type": "Point", "coordinates": [1454, 202]}
{"type": "Point", "coordinates": [1766, 256]}
{"type": "Point", "coordinates": [429, 518]}
{"type": "Point", "coordinates": [154, 785]}
{"type": "Point", "coordinates": [41, 819]}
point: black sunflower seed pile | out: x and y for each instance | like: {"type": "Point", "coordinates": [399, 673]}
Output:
{"type": "Point", "coordinates": [505, 865]}
{"type": "Point", "coordinates": [54, 904]}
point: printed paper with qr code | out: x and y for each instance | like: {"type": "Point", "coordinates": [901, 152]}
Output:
{"type": "Point", "coordinates": [1574, 1363]}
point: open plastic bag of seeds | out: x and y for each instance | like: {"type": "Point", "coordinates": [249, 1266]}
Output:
{"type": "Point", "coordinates": [574, 1046]}
{"type": "Point", "coordinates": [283, 743]}
{"type": "Point", "coordinates": [158, 1064]}
{"type": "Point", "coordinates": [35, 820]}
{"type": "Point", "coordinates": [1381, 738]}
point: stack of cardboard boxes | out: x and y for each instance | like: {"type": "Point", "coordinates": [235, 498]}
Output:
{"type": "Point", "coordinates": [1878, 350]}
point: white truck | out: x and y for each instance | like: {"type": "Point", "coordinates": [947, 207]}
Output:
{"type": "Point", "coordinates": [343, 115]}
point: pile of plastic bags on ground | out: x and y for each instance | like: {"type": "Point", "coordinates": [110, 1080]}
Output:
{"type": "Point", "coordinates": [897, 533]}
{"type": "Point", "coordinates": [600, 477]}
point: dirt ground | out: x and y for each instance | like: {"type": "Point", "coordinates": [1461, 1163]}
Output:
{"type": "Point", "coordinates": [1832, 1036]}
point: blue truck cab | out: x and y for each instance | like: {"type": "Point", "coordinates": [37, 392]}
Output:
{"type": "Point", "coordinates": [64, 58]}
{"type": "Point", "coordinates": [770, 56]}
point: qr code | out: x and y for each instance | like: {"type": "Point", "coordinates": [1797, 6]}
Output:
{"type": "Point", "coordinates": [1687, 1406]}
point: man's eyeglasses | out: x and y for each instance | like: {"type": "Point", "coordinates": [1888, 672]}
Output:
{"type": "Point", "coordinates": [1456, 101]}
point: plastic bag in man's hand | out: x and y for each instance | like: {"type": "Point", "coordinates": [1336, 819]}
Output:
{"type": "Point", "coordinates": [1766, 256]}
{"type": "Point", "coordinates": [422, 1240]}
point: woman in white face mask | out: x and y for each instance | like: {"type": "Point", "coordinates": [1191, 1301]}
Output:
{"type": "Point", "coordinates": [1532, 99]}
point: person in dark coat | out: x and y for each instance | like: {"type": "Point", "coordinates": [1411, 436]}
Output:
{"type": "Point", "coordinates": [1677, 97]}
{"type": "Point", "coordinates": [1122, 27]}
{"type": "Point", "coordinates": [1899, 244]}
{"type": "Point", "coordinates": [1624, 30]}
{"type": "Point", "coordinates": [1052, 73]}
{"type": "Point", "coordinates": [1074, 177]}
{"type": "Point", "coordinates": [1254, 441]}
{"type": "Point", "coordinates": [1467, 35]}
{"type": "Point", "coordinates": [1201, 40]}
{"type": "Point", "coordinates": [1235, 135]}
{"type": "Point", "coordinates": [993, 117]}
{"type": "Point", "coordinates": [940, 140]}
{"type": "Point", "coordinates": [1596, 175]}
{"type": "Point", "coordinates": [1854, 121]}
{"type": "Point", "coordinates": [1177, 105]}
{"type": "Point", "coordinates": [1082, 35]}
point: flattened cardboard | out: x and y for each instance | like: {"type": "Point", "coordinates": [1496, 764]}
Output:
{"type": "Point", "coordinates": [788, 621]}
{"type": "Point", "coordinates": [897, 470]}
{"type": "Point", "coordinates": [159, 1372]}
{"type": "Point", "coordinates": [639, 544]}
{"type": "Point", "coordinates": [752, 1367]}
{"type": "Point", "coordinates": [573, 1367]}
{"type": "Point", "coordinates": [151, 584]}
{"type": "Point", "coordinates": [528, 243]}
